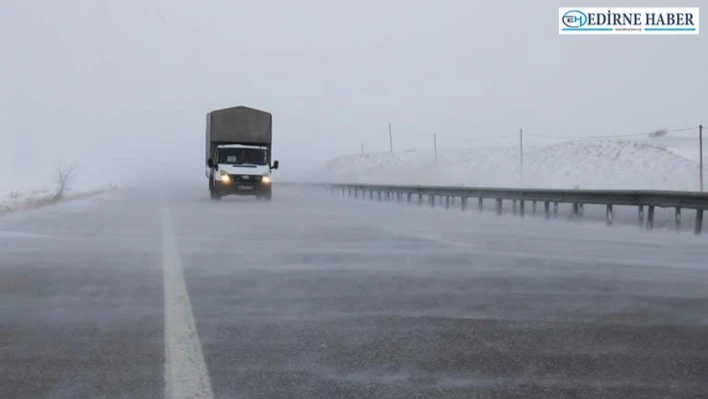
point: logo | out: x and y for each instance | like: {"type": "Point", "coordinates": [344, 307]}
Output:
{"type": "Point", "coordinates": [574, 19]}
{"type": "Point", "coordinates": [628, 20]}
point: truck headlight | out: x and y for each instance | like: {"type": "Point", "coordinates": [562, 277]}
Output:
{"type": "Point", "coordinates": [225, 178]}
{"type": "Point", "coordinates": [266, 180]}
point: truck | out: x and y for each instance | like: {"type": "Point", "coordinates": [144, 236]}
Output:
{"type": "Point", "coordinates": [238, 152]}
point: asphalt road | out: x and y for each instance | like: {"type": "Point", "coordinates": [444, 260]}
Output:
{"type": "Point", "coordinates": [146, 294]}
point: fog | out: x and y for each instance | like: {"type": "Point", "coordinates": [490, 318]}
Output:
{"type": "Point", "coordinates": [167, 293]}
{"type": "Point", "coordinates": [122, 88]}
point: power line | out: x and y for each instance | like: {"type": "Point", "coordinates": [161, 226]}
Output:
{"type": "Point", "coordinates": [506, 136]}
{"type": "Point", "coordinates": [616, 135]}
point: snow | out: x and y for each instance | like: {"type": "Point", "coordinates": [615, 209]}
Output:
{"type": "Point", "coordinates": [31, 185]}
{"type": "Point", "coordinates": [661, 163]}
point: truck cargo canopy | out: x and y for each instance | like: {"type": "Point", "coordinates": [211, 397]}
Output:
{"type": "Point", "coordinates": [241, 125]}
{"type": "Point", "coordinates": [238, 125]}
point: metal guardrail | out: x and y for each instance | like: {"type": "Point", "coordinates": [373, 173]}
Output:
{"type": "Point", "coordinates": [642, 198]}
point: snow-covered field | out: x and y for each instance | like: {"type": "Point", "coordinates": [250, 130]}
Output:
{"type": "Point", "coordinates": [665, 163]}
{"type": "Point", "coordinates": [25, 190]}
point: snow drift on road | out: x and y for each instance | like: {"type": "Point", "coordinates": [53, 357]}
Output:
{"type": "Point", "coordinates": [608, 164]}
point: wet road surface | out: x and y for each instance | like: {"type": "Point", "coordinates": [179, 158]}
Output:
{"type": "Point", "coordinates": [146, 294]}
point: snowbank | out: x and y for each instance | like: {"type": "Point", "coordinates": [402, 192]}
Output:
{"type": "Point", "coordinates": [608, 164]}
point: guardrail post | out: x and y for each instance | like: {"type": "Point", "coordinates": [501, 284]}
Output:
{"type": "Point", "coordinates": [699, 221]}
{"type": "Point", "coordinates": [432, 200]}
{"type": "Point", "coordinates": [356, 193]}
{"type": "Point", "coordinates": [641, 215]}
{"type": "Point", "coordinates": [499, 206]}
{"type": "Point", "coordinates": [480, 204]}
{"type": "Point", "coordinates": [513, 207]}
{"type": "Point", "coordinates": [420, 199]}
{"type": "Point", "coordinates": [555, 209]}
{"type": "Point", "coordinates": [650, 217]}
{"type": "Point", "coordinates": [409, 197]}
{"type": "Point", "coordinates": [447, 202]}
{"type": "Point", "coordinates": [371, 195]}
{"type": "Point", "coordinates": [678, 218]}
{"type": "Point", "coordinates": [608, 215]}
{"type": "Point", "coordinates": [463, 203]}
{"type": "Point", "coordinates": [576, 211]}
{"type": "Point", "coordinates": [521, 208]}
{"type": "Point", "coordinates": [378, 194]}
{"type": "Point", "coordinates": [533, 207]}
{"type": "Point", "coordinates": [547, 209]}
{"type": "Point", "coordinates": [581, 207]}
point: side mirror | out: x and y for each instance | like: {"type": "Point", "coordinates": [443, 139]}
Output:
{"type": "Point", "coordinates": [210, 163]}
{"type": "Point", "coordinates": [275, 165]}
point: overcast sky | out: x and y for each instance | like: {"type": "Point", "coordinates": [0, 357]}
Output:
{"type": "Point", "coordinates": [123, 86]}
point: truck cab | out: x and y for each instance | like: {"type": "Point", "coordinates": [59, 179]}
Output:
{"type": "Point", "coordinates": [238, 169]}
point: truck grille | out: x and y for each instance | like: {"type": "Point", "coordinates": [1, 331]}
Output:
{"type": "Point", "coordinates": [246, 178]}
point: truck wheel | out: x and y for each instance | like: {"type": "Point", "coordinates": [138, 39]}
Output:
{"type": "Point", "coordinates": [212, 191]}
{"type": "Point", "coordinates": [214, 194]}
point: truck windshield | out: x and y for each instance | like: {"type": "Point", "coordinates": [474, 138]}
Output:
{"type": "Point", "coordinates": [242, 156]}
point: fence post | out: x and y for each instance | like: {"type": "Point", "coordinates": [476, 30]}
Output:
{"type": "Point", "coordinates": [700, 153]}
{"type": "Point", "coordinates": [678, 218]}
{"type": "Point", "coordinates": [641, 215]}
{"type": "Point", "coordinates": [521, 154]}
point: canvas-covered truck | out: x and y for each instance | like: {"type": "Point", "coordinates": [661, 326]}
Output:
{"type": "Point", "coordinates": [238, 152]}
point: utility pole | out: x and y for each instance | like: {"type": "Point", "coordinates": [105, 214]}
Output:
{"type": "Point", "coordinates": [435, 144]}
{"type": "Point", "coordinates": [700, 153]}
{"type": "Point", "coordinates": [521, 152]}
{"type": "Point", "coordinates": [390, 137]}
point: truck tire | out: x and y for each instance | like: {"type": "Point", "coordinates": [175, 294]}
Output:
{"type": "Point", "coordinates": [212, 192]}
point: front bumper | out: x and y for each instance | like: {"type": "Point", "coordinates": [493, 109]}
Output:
{"type": "Point", "coordinates": [236, 187]}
